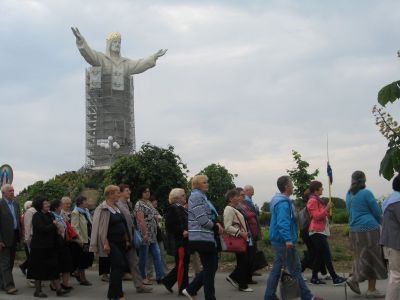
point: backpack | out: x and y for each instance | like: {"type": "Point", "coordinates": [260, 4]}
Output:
{"type": "Point", "coordinates": [304, 219]}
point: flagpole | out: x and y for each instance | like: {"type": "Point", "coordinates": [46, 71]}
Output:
{"type": "Point", "coordinates": [329, 177]}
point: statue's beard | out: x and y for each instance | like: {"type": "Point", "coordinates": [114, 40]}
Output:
{"type": "Point", "coordinates": [115, 52]}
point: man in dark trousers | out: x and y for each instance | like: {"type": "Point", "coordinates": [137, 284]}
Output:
{"type": "Point", "coordinates": [9, 237]}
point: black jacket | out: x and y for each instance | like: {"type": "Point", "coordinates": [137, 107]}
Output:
{"type": "Point", "coordinates": [44, 231]}
{"type": "Point", "coordinates": [7, 234]}
{"type": "Point", "coordinates": [176, 221]}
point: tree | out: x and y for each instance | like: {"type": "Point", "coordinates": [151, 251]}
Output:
{"type": "Point", "coordinates": [159, 168]}
{"type": "Point", "coordinates": [67, 184]}
{"type": "Point", "coordinates": [265, 207]}
{"type": "Point", "coordinates": [219, 182]}
{"type": "Point", "coordinates": [51, 190]}
{"type": "Point", "coordinates": [389, 128]}
{"type": "Point", "coordinates": [338, 203]}
{"type": "Point", "coordinates": [301, 178]}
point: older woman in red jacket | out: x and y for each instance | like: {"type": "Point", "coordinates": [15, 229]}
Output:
{"type": "Point", "coordinates": [319, 232]}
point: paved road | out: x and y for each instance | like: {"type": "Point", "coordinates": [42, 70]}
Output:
{"type": "Point", "coordinates": [224, 290]}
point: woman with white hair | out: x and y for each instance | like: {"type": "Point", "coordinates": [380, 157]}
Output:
{"type": "Point", "coordinates": [27, 206]}
{"type": "Point", "coordinates": [176, 223]}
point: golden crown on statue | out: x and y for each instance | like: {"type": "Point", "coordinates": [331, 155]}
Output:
{"type": "Point", "coordinates": [114, 36]}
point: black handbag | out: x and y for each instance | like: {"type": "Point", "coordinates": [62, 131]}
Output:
{"type": "Point", "coordinates": [260, 260]}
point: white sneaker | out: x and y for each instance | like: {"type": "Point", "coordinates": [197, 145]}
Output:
{"type": "Point", "coordinates": [30, 283]}
{"type": "Point", "coordinates": [246, 290]}
{"type": "Point", "coordinates": [233, 282]}
{"type": "Point", "coordinates": [326, 277]}
{"type": "Point", "coordinates": [304, 277]}
{"type": "Point", "coordinates": [185, 292]}
{"type": "Point", "coordinates": [374, 294]}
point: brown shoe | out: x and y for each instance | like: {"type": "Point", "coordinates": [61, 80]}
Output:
{"type": "Point", "coordinates": [127, 276]}
{"type": "Point", "coordinates": [86, 283]}
{"type": "Point", "coordinates": [105, 278]}
{"type": "Point", "coordinates": [147, 282]}
{"type": "Point", "coordinates": [143, 289]}
{"type": "Point", "coordinates": [12, 291]}
{"type": "Point", "coordinates": [318, 298]}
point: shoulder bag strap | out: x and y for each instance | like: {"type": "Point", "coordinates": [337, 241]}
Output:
{"type": "Point", "coordinates": [240, 222]}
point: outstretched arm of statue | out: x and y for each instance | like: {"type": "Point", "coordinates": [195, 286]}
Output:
{"type": "Point", "coordinates": [160, 53]}
{"type": "Point", "coordinates": [88, 54]}
{"type": "Point", "coordinates": [136, 66]}
{"type": "Point", "coordinates": [78, 35]}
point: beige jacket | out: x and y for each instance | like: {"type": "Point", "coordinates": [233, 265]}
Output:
{"type": "Point", "coordinates": [123, 207]}
{"type": "Point", "coordinates": [79, 223]}
{"type": "Point", "coordinates": [101, 219]}
{"type": "Point", "coordinates": [232, 220]}
{"type": "Point", "coordinates": [28, 225]}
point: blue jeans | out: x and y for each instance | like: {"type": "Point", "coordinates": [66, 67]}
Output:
{"type": "Point", "coordinates": [155, 253]}
{"type": "Point", "coordinates": [294, 268]}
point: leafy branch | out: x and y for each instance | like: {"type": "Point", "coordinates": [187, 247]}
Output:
{"type": "Point", "coordinates": [389, 128]}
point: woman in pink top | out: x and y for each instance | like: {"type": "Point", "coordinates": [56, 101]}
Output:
{"type": "Point", "coordinates": [319, 232]}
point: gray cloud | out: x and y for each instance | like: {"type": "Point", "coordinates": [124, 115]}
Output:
{"type": "Point", "coordinates": [241, 84]}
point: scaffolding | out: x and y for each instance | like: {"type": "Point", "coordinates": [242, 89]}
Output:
{"type": "Point", "coordinates": [108, 113]}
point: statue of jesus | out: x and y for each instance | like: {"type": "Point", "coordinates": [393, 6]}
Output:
{"type": "Point", "coordinates": [109, 97]}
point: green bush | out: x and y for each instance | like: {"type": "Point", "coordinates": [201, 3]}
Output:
{"type": "Point", "coordinates": [266, 236]}
{"type": "Point", "coordinates": [265, 218]}
{"type": "Point", "coordinates": [337, 202]}
{"type": "Point", "coordinates": [339, 253]}
{"type": "Point", "coordinates": [340, 216]}
{"type": "Point", "coordinates": [346, 230]}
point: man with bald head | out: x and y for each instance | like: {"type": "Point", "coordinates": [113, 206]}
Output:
{"type": "Point", "coordinates": [249, 191]}
{"type": "Point", "coordinates": [9, 237]}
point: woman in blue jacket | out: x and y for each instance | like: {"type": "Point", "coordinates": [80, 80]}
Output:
{"type": "Point", "coordinates": [365, 217]}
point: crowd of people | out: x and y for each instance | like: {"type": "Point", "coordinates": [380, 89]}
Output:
{"type": "Point", "coordinates": [129, 241]}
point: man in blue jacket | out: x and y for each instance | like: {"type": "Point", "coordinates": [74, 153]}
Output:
{"type": "Point", "coordinates": [283, 237]}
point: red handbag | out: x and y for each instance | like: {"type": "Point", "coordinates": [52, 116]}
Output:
{"type": "Point", "coordinates": [235, 244]}
{"type": "Point", "coordinates": [70, 234]}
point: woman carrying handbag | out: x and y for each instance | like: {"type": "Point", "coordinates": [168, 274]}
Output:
{"type": "Point", "coordinates": [235, 225]}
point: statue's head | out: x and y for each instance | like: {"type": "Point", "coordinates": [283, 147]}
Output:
{"type": "Point", "coordinates": [113, 43]}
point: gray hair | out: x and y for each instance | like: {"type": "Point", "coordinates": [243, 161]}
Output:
{"type": "Point", "coordinates": [27, 205]}
{"type": "Point", "coordinates": [5, 188]}
{"type": "Point", "coordinates": [174, 195]}
{"type": "Point", "coordinates": [65, 198]}
{"type": "Point", "coordinates": [248, 187]}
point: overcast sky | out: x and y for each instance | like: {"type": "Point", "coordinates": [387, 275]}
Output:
{"type": "Point", "coordinates": [242, 84]}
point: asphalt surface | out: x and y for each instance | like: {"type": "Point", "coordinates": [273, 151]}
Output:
{"type": "Point", "coordinates": [224, 291]}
